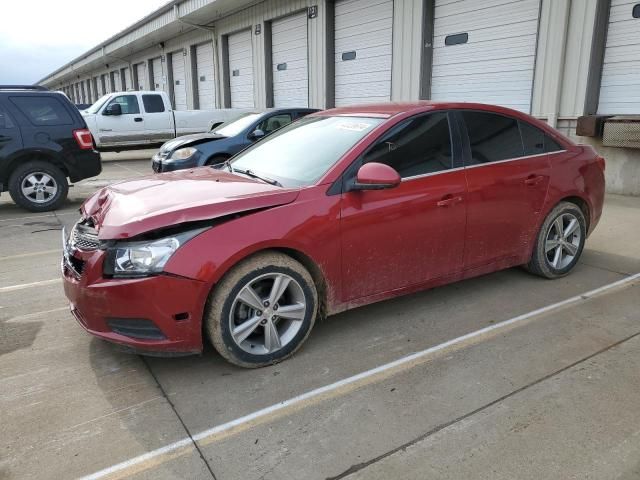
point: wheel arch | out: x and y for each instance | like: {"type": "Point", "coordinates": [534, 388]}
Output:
{"type": "Point", "coordinates": [29, 156]}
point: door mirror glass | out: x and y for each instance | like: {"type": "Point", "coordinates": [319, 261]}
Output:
{"type": "Point", "coordinates": [375, 176]}
{"type": "Point", "coordinates": [257, 134]}
{"type": "Point", "coordinates": [113, 109]}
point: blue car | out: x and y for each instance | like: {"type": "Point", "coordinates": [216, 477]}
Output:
{"type": "Point", "coordinates": [223, 142]}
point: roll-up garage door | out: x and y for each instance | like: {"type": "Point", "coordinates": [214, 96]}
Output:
{"type": "Point", "coordinates": [290, 61]}
{"type": "Point", "coordinates": [363, 51]}
{"type": "Point", "coordinates": [241, 70]}
{"type": "Point", "coordinates": [620, 84]}
{"type": "Point", "coordinates": [141, 74]}
{"type": "Point", "coordinates": [156, 65]}
{"type": "Point", "coordinates": [117, 86]}
{"type": "Point", "coordinates": [106, 83]}
{"type": "Point", "coordinates": [126, 75]}
{"type": "Point", "coordinates": [485, 51]}
{"type": "Point", "coordinates": [205, 76]}
{"type": "Point", "coordinates": [179, 81]}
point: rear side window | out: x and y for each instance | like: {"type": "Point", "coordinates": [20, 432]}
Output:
{"type": "Point", "coordinates": [550, 145]}
{"type": "Point", "coordinates": [42, 110]}
{"type": "Point", "coordinates": [153, 103]}
{"type": "Point", "coordinates": [5, 120]}
{"type": "Point", "coordinates": [417, 146]}
{"type": "Point", "coordinates": [128, 104]}
{"type": "Point", "coordinates": [532, 138]}
{"type": "Point", "coordinates": [492, 137]}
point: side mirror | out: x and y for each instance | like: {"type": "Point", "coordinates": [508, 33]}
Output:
{"type": "Point", "coordinates": [113, 109]}
{"type": "Point", "coordinates": [257, 134]}
{"type": "Point", "coordinates": [375, 176]}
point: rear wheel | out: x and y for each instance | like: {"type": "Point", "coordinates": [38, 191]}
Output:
{"type": "Point", "coordinates": [560, 242]}
{"type": "Point", "coordinates": [38, 186]}
{"type": "Point", "coordinates": [262, 311]}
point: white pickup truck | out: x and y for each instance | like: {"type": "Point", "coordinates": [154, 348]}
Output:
{"type": "Point", "coordinates": [123, 120]}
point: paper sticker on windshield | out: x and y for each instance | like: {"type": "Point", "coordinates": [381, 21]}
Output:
{"type": "Point", "coordinates": [354, 127]}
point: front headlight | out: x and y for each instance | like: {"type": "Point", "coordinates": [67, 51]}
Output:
{"type": "Point", "coordinates": [183, 153]}
{"type": "Point", "coordinates": [143, 258]}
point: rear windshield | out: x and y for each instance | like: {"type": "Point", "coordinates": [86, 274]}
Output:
{"type": "Point", "coordinates": [42, 110]}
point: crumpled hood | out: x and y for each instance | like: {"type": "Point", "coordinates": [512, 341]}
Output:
{"type": "Point", "coordinates": [129, 208]}
{"type": "Point", "coordinates": [186, 140]}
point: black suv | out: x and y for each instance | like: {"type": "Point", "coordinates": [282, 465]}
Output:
{"type": "Point", "coordinates": [43, 141]}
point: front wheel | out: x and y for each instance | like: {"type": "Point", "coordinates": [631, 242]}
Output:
{"type": "Point", "coordinates": [560, 242]}
{"type": "Point", "coordinates": [262, 311]}
{"type": "Point", "coordinates": [38, 186]}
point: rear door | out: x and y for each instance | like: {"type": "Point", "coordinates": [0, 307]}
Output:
{"type": "Point", "coordinates": [128, 127]}
{"type": "Point", "coordinates": [507, 186]}
{"type": "Point", "coordinates": [413, 233]}
{"type": "Point", "coordinates": [10, 138]}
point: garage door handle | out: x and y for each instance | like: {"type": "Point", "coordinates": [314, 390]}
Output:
{"type": "Point", "coordinates": [137, 119]}
{"type": "Point", "coordinates": [449, 201]}
{"type": "Point", "coordinates": [534, 180]}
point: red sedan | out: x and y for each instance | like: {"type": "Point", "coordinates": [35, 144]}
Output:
{"type": "Point", "coordinates": [343, 208]}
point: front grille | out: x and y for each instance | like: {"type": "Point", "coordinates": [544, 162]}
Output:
{"type": "Point", "coordinates": [84, 236]}
{"type": "Point", "coordinates": [76, 264]}
{"type": "Point", "coordinates": [136, 328]}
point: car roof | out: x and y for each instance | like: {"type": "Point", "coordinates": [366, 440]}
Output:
{"type": "Point", "coordinates": [391, 109]}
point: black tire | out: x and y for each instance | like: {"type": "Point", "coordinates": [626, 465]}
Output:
{"type": "Point", "coordinates": [37, 168]}
{"type": "Point", "coordinates": [216, 160]}
{"type": "Point", "coordinates": [223, 299]}
{"type": "Point", "coordinates": [541, 262]}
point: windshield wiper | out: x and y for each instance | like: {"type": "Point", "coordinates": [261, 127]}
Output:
{"type": "Point", "coordinates": [249, 173]}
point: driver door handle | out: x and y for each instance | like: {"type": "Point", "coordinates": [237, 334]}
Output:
{"type": "Point", "coordinates": [4, 138]}
{"type": "Point", "coordinates": [449, 201]}
{"type": "Point", "coordinates": [137, 119]}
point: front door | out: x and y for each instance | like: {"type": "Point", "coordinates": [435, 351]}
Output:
{"type": "Point", "coordinates": [415, 232]}
{"type": "Point", "coordinates": [507, 181]}
{"type": "Point", "coordinates": [128, 127]}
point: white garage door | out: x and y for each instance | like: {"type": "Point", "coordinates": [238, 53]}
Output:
{"type": "Point", "coordinates": [107, 82]}
{"type": "Point", "coordinates": [290, 61]}
{"type": "Point", "coordinates": [241, 70]}
{"type": "Point", "coordinates": [620, 84]}
{"type": "Point", "coordinates": [363, 51]}
{"type": "Point", "coordinates": [117, 86]}
{"type": "Point", "coordinates": [206, 80]}
{"type": "Point", "coordinates": [179, 81]}
{"type": "Point", "coordinates": [156, 65]}
{"type": "Point", "coordinates": [127, 79]}
{"type": "Point", "coordinates": [485, 51]}
{"type": "Point", "coordinates": [141, 73]}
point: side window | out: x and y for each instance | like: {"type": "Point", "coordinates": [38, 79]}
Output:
{"type": "Point", "coordinates": [417, 146]}
{"type": "Point", "coordinates": [153, 103]}
{"type": "Point", "coordinates": [42, 110]}
{"type": "Point", "coordinates": [492, 137]}
{"type": "Point", "coordinates": [5, 120]}
{"type": "Point", "coordinates": [128, 104]}
{"type": "Point", "coordinates": [532, 138]}
{"type": "Point", "coordinates": [550, 145]}
{"type": "Point", "coordinates": [275, 122]}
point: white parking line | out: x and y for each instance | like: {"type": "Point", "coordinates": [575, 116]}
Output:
{"type": "Point", "coordinates": [29, 316]}
{"type": "Point", "coordinates": [75, 212]}
{"type": "Point", "coordinates": [12, 288]}
{"type": "Point", "coordinates": [180, 447]}
{"type": "Point", "coordinates": [34, 254]}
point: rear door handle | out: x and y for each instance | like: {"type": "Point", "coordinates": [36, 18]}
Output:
{"type": "Point", "coordinates": [449, 201]}
{"type": "Point", "coordinates": [137, 119]}
{"type": "Point", "coordinates": [533, 180]}
{"type": "Point", "coordinates": [4, 138]}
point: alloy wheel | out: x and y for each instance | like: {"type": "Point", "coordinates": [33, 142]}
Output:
{"type": "Point", "coordinates": [267, 313]}
{"type": "Point", "coordinates": [562, 242]}
{"type": "Point", "coordinates": [39, 187]}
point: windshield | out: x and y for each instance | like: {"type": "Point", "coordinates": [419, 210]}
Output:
{"type": "Point", "coordinates": [300, 153]}
{"type": "Point", "coordinates": [96, 106]}
{"type": "Point", "coordinates": [231, 129]}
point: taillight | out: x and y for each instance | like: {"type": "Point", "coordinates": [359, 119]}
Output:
{"type": "Point", "coordinates": [601, 163]}
{"type": "Point", "coordinates": [84, 138]}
